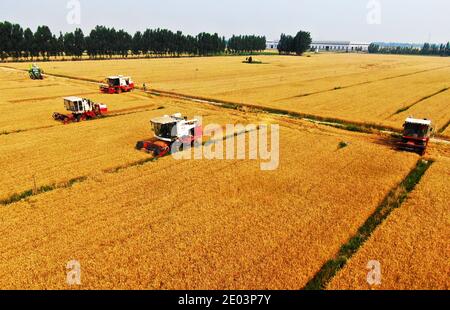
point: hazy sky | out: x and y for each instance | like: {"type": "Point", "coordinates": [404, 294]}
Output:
{"type": "Point", "coordinates": [399, 20]}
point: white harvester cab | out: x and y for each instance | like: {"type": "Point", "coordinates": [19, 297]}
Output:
{"type": "Point", "coordinates": [416, 135]}
{"type": "Point", "coordinates": [173, 127]}
{"type": "Point", "coordinates": [120, 80]}
{"type": "Point", "coordinates": [173, 130]}
{"type": "Point", "coordinates": [417, 128]}
{"type": "Point", "coordinates": [78, 105]}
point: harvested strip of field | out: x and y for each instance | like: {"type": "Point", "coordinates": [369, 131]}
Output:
{"type": "Point", "coordinates": [228, 78]}
{"type": "Point", "coordinates": [372, 103]}
{"type": "Point", "coordinates": [436, 108]}
{"type": "Point", "coordinates": [29, 113]}
{"type": "Point", "coordinates": [368, 88]}
{"type": "Point", "coordinates": [393, 200]}
{"type": "Point", "coordinates": [412, 245]}
{"type": "Point", "coordinates": [404, 109]}
{"type": "Point", "coordinates": [203, 224]}
{"type": "Point", "coordinates": [58, 154]}
{"type": "Point", "coordinates": [25, 90]}
{"type": "Point", "coordinates": [364, 83]}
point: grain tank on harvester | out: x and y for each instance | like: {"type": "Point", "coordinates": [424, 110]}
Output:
{"type": "Point", "coordinates": [80, 109]}
{"type": "Point", "coordinates": [170, 131]}
{"type": "Point", "coordinates": [416, 135]}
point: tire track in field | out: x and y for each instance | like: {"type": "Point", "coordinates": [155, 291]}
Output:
{"type": "Point", "coordinates": [121, 112]}
{"type": "Point", "coordinates": [6, 133]}
{"type": "Point", "coordinates": [28, 87]}
{"type": "Point", "coordinates": [49, 97]}
{"type": "Point", "coordinates": [447, 125]}
{"type": "Point", "coordinates": [363, 83]}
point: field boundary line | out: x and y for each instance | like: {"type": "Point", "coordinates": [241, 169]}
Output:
{"type": "Point", "coordinates": [352, 125]}
{"type": "Point", "coordinates": [444, 127]}
{"type": "Point", "coordinates": [391, 202]}
{"type": "Point", "coordinates": [404, 109]}
{"type": "Point", "coordinates": [363, 83]}
{"type": "Point", "coordinates": [367, 128]}
{"type": "Point", "coordinates": [6, 133]}
{"type": "Point", "coordinates": [41, 190]}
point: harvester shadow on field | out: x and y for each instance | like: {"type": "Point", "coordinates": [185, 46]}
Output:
{"type": "Point", "coordinates": [389, 141]}
{"type": "Point", "coordinates": [392, 141]}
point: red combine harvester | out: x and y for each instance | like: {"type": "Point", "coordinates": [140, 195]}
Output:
{"type": "Point", "coordinates": [81, 109]}
{"type": "Point", "coordinates": [170, 130]}
{"type": "Point", "coordinates": [117, 85]}
{"type": "Point", "coordinates": [416, 135]}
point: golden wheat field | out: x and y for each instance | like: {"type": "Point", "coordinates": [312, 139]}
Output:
{"type": "Point", "coordinates": [60, 153]}
{"type": "Point", "coordinates": [412, 245]}
{"type": "Point", "coordinates": [362, 88]}
{"type": "Point", "coordinates": [226, 224]}
{"type": "Point", "coordinates": [83, 192]}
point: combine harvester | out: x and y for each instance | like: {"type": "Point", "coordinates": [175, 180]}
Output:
{"type": "Point", "coordinates": [81, 110]}
{"type": "Point", "coordinates": [170, 130]}
{"type": "Point", "coordinates": [35, 72]}
{"type": "Point", "coordinates": [416, 135]}
{"type": "Point", "coordinates": [117, 85]}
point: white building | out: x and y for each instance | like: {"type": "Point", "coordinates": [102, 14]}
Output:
{"type": "Point", "coordinates": [272, 45]}
{"type": "Point", "coordinates": [340, 46]}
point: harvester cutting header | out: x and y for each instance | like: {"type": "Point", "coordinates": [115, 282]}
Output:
{"type": "Point", "coordinates": [170, 130]}
{"type": "Point", "coordinates": [117, 85]}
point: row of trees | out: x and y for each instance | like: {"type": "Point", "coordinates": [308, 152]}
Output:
{"type": "Point", "coordinates": [246, 44]}
{"type": "Point", "coordinates": [106, 42]}
{"type": "Point", "coordinates": [298, 44]}
{"type": "Point", "coordinates": [427, 49]}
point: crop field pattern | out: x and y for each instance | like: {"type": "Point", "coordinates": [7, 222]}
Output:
{"type": "Point", "coordinates": [362, 88]}
{"type": "Point", "coordinates": [82, 191]}
{"type": "Point", "coordinates": [412, 245]}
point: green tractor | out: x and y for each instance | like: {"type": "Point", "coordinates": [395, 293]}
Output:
{"type": "Point", "coordinates": [36, 73]}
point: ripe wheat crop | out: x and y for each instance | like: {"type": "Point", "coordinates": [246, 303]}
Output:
{"type": "Point", "coordinates": [55, 155]}
{"type": "Point", "coordinates": [203, 224]}
{"type": "Point", "coordinates": [412, 246]}
{"type": "Point", "coordinates": [219, 224]}
{"type": "Point", "coordinates": [363, 88]}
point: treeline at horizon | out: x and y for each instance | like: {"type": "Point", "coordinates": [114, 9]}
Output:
{"type": "Point", "coordinates": [17, 43]}
{"type": "Point", "coordinates": [297, 44]}
{"type": "Point", "coordinates": [427, 49]}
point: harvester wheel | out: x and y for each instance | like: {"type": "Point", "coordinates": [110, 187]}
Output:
{"type": "Point", "coordinates": [140, 145]}
{"type": "Point", "coordinates": [156, 152]}
{"type": "Point", "coordinates": [177, 145]}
